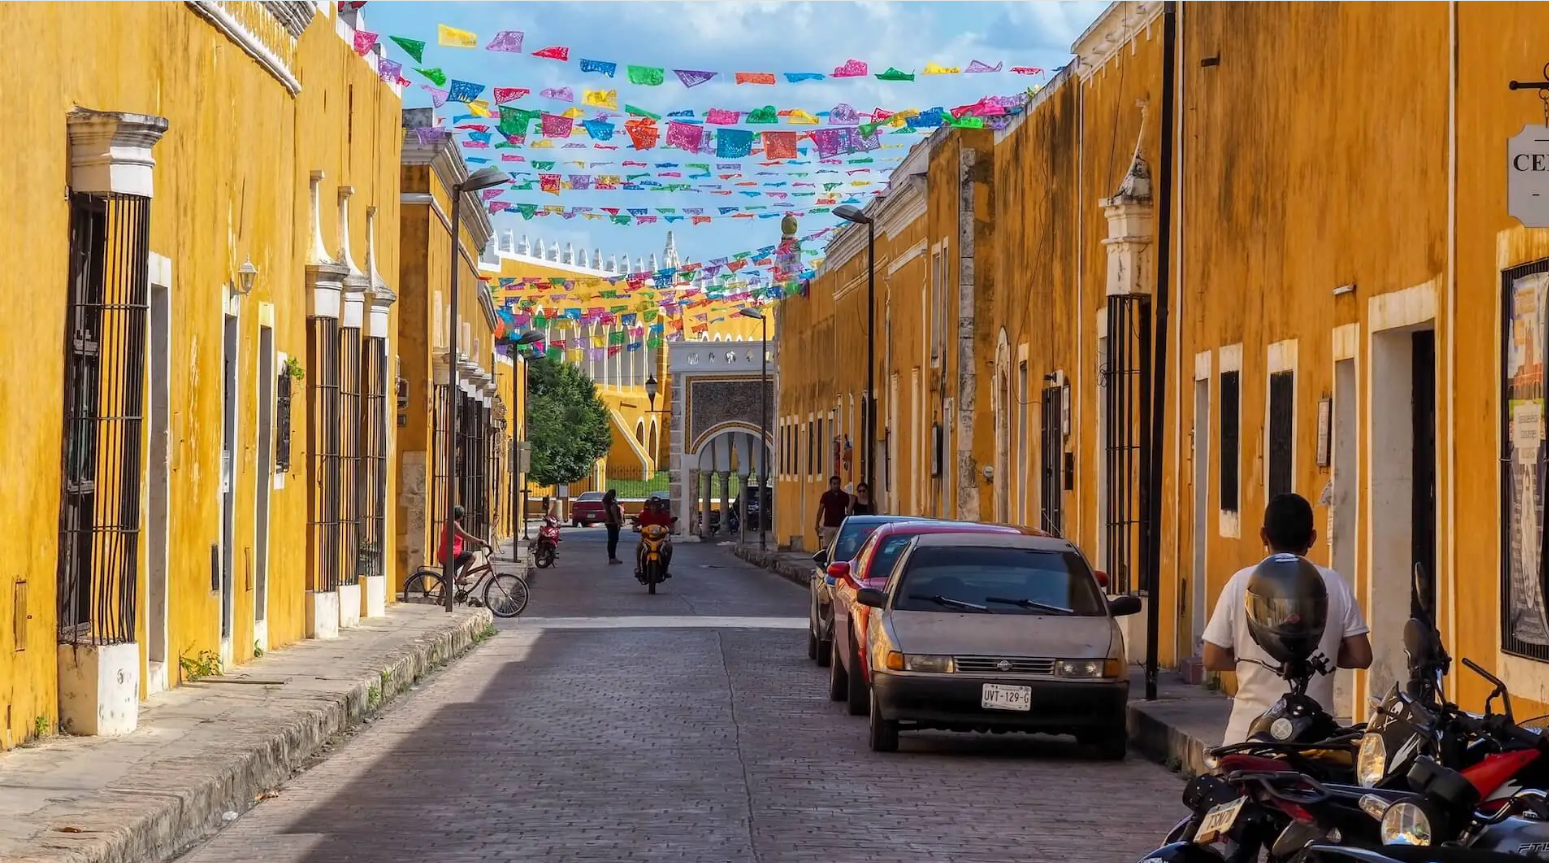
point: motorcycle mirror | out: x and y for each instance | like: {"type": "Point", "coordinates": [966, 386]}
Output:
{"type": "Point", "coordinates": [1418, 641]}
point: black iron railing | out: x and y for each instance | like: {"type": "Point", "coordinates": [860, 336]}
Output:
{"type": "Point", "coordinates": [351, 492]}
{"type": "Point", "coordinates": [1051, 489]}
{"type": "Point", "coordinates": [99, 523]}
{"type": "Point", "coordinates": [372, 482]}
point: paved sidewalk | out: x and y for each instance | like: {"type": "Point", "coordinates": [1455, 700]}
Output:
{"type": "Point", "coordinates": [1174, 730]}
{"type": "Point", "coordinates": [208, 751]}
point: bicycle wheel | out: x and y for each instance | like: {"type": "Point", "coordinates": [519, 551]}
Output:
{"type": "Point", "coordinates": [505, 595]}
{"type": "Point", "coordinates": [423, 588]}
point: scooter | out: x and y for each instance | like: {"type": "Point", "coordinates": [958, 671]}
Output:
{"type": "Point", "coordinates": [545, 548]}
{"type": "Point", "coordinates": [655, 547]}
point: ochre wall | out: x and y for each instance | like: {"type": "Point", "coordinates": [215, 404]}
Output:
{"type": "Point", "coordinates": [225, 193]}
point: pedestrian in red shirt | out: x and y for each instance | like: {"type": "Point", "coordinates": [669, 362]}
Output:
{"type": "Point", "coordinates": [832, 508]}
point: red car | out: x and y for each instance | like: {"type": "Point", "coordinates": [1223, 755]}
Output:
{"type": "Point", "coordinates": [588, 510]}
{"type": "Point", "coordinates": [848, 676]}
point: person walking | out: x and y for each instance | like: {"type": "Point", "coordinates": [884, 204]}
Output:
{"type": "Point", "coordinates": [832, 508]}
{"type": "Point", "coordinates": [1228, 645]}
{"type": "Point", "coordinates": [860, 503]}
{"type": "Point", "coordinates": [614, 518]}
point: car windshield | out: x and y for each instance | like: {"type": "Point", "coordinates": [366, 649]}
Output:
{"type": "Point", "coordinates": [850, 538]}
{"type": "Point", "coordinates": [998, 581]}
{"type": "Point", "coordinates": [882, 559]}
{"type": "Point", "coordinates": [590, 496]}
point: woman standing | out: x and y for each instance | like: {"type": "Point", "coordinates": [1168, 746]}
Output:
{"type": "Point", "coordinates": [860, 502]}
{"type": "Point", "coordinates": [614, 519]}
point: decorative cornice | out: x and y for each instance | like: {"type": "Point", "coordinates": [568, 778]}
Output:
{"type": "Point", "coordinates": [110, 152]}
{"type": "Point", "coordinates": [381, 295]}
{"type": "Point", "coordinates": [903, 205]}
{"type": "Point", "coordinates": [446, 162]}
{"type": "Point", "coordinates": [217, 14]}
{"type": "Point", "coordinates": [1111, 31]}
{"type": "Point", "coordinates": [355, 281]}
{"type": "Point", "coordinates": [293, 15]}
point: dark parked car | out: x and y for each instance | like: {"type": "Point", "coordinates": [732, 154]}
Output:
{"type": "Point", "coordinates": [820, 613]}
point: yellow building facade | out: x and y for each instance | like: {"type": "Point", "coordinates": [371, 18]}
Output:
{"type": "Point", "coordinates": [490, 384]}
{"type": "Point", "coordinates": [159, 461]}
{"type": "Point", "coordinates": [1353, 314]}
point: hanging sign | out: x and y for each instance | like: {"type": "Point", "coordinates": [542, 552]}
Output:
{"type": "Point", "coordinates": [1527, 176]}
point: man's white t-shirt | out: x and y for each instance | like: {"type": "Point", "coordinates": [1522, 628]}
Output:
{"type": "Point", "coordinates": [1258, 687]}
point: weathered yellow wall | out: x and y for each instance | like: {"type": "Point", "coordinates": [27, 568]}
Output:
{"type": "Point", "coordinates": [225, 192]}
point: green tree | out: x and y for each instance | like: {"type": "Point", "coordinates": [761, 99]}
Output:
{"type": "Point", "coordinates": [567, 422]}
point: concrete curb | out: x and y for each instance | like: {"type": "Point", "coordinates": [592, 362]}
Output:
{"type": "Point", "coordinates": [159, 826]}
{"type": "Point", "coordinates": [1153, 735]}
{"type": "Point", "coordinates": [777, 562]}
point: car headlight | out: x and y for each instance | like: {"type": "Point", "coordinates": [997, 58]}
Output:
{"type": "Point", "coordinates": [1371, 760]}
{"type": "Point", "coordinates": [1087, 669]}
{"type": "Point", "coordinates": [929, 664]}
{"type": "Point", "coordinates": [1406, 824]}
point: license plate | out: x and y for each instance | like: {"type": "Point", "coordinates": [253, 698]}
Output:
{"type": "Point", "coordinates": [1218, 821]}
{"type": "Point", "coordinates": [999, 697]}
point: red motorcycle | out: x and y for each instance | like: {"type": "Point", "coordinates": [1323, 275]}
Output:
{"type": "Point", "coordinates": [545, 548]}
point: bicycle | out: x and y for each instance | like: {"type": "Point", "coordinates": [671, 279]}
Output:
{"type": "Point", "coordinates": [503, 593]}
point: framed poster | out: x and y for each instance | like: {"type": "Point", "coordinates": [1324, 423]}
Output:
{"type": "Point", "coordinates": [1524, 628]}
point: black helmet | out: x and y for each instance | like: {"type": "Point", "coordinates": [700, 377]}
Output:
{"type": "Point", "coordinates": [1287, 604]}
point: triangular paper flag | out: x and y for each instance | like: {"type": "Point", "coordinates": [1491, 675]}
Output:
{"type": "Point", "coordinates": [755, 78]}
{"type": "Point", "coordinates": [646, 76]}
{"type": "Point", "coordinates": [894, 75]}
{"type": "Point", "coordinates": [364, 42]}
{"type": "Point", "coordinates": [509, 94]}
{"type": "Point", "coordinates": [600, 67]}
{"type": "Point", "coordinates": [413, 47]}
{"type": "Point", "coordinates": [933, 69]}
{"type": "Point", "coordinates": [435, 76]}
{"type": "Point", "coordinates": [601, 99]}
{"type": "Point", "coordinates": [851, 69]}
{"type": "Point", "coordinates": [692, 77]}
{"type": "Point", "coordinates": [555, 52]}
{"type": "Point", "coordinates": [979, 66]}
{"type": "Point", "coordinates": [452, 37]}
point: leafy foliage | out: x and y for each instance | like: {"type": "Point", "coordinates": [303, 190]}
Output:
{"type": "Point", "coordinates": [567, 423]}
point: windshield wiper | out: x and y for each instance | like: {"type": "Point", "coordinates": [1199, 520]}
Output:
{"type": "Point", "coordinates": [948, 601]}
{"type": "Point", "coordinates": [1032, 603]}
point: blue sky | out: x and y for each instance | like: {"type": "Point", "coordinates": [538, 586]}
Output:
{"type": "Point", "coordinates": [725, 36]}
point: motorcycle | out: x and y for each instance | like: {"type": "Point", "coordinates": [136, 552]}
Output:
{"type": "Point", "coordinates": [655, 546]}
{"type": "Point", "coordinates": [545, 548]}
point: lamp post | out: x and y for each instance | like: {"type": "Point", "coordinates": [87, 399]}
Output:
{"type": "Point", "coordinates": [853, 214]}
{"type": "Point", "coordinates": [528, 338]}
{"type": "Point", "coordinates": [480, 179]}
{"type": "Point", "coordinates": [764, 506]}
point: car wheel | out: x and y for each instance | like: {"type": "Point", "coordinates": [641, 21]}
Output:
{"type": "Point", "coordinates": [1112, 744]}
{"type": "Point", "coordinates": [575, 522]}
{"type": "Point", "coordinates": [857, 694]}
{"type": "Point", "coordinates": [883, 733]}
{"type": "Point", "coordinates": [838, 680]}
{"type": "Point", "coordinates": [812, 642]}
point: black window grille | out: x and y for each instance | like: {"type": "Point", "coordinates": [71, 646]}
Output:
{"type": "Point", "coordinates": [1126, 380]}
{"type": "Point", "coordinates": [1524, 631]}
{"type": "Point", "coordinates": [351, 472]}
{"type": "Point", "coordinates": [1282, 423]}
{"type": "Point", "coordinates": [282, 421]}
{"type": "Point", "coordinates": [325, 540]}
{"type": "Point", "coordinates": [436, 505]}
{"type": "Point", "coordinates": [472, 463]}
{"type": "Point", "coordinates": [104, 384]}
{"type": "Point", "coordinates": [812, 446]}
{"type": "Point", "coordinates": [1051, 489]}
{"type": "Point", "coordinates": [1231, 434]}
{"type": "Point", "coordinates": [373, 456]}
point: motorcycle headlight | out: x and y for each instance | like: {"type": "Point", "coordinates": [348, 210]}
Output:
{"type": "Point", "coordinates": [1406, 824]}
{"type": "Point", "coordinates": [1371, 761]}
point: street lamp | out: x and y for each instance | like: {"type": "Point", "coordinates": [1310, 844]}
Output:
{"type": "Point", "coordinates": [764, 506]}
{"type": "Point", "coordinates": [651, 389]}
{"type": "Point", "coordinates": [853, 214]}
{"type": "Point", "coordinates": [528, 338]}
{"type": "Point", "coordinates": [481, 179]}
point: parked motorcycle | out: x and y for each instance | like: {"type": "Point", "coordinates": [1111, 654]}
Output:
{"type": "Point", "coordinates": [545, 547]}
{"type": "Point", "coordinates": [655, 547]}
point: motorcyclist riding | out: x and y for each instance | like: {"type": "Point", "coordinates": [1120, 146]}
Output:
{"type": "Point", "coordinates": [654, 512]}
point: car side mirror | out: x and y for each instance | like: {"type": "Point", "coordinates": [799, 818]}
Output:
{"type": "Point", "coordinates": [871, 597]}
{"type": "Point", "coordinates": [820, 557]}
{"type": "Point", "coordinates": [839, 570]}
{"type": "Point", "coordinates": [1102, 578]}
{"type": "Point", "coordinates": [1124, 606]}
{"type": "Point", "coordinates": [674, 519]}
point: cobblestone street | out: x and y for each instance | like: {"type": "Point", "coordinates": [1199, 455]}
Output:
{"type": "Point", "coordinates": [610, 725]}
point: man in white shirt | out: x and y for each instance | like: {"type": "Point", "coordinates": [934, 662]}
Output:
{"type": "Point", "coordinates": [1229, 647]}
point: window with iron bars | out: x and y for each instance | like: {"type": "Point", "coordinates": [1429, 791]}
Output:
{"type": "Point", "coordinates": [436, 513]}
{"type": "Point", "coordinates": [351, 471]}
{"type": "Point", "coordinates": [1126, 382]}
{"type": "Point", "coordinates": [472, 462]}
{"type": "Point", "coordinates": [372, 482]}
{"type": "Point", "coordinates": [99, 522]}
{"type": "Point", "coordinates": [325, 541]}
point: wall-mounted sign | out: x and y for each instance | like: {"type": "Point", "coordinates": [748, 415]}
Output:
{"type": "Point", "coordinates": [1527, 176]}
{"type": "Point", "coordinates": [1325, 407]}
